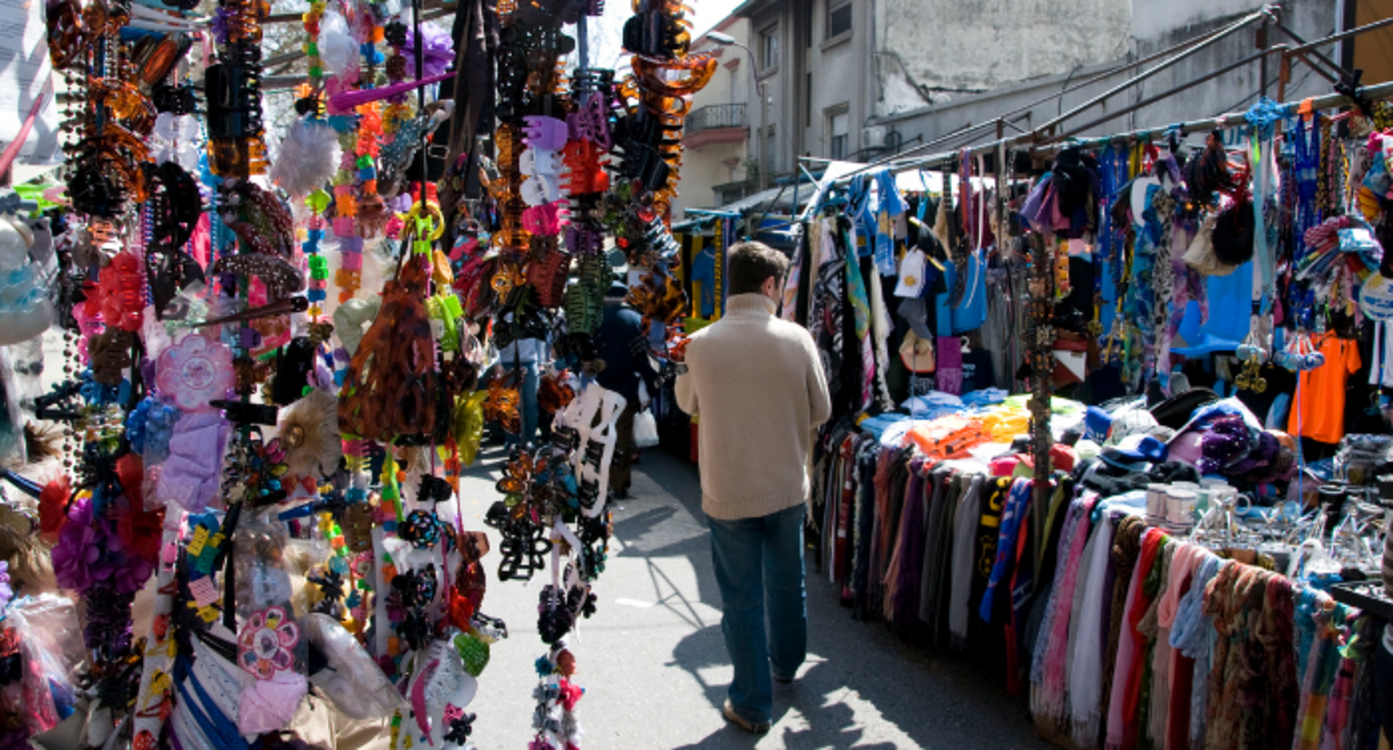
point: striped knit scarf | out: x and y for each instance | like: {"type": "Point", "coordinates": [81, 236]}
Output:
{"type": "Point", "coordinates": [1011, 518]}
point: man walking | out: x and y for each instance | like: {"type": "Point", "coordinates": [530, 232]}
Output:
{"type": "Point", "coordinates": [756, 383]}
{"type": "Point", "coordinates": [622, 349]}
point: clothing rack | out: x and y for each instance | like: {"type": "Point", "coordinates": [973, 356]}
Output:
{"type": "Point", "coordinates": [1033, 142]}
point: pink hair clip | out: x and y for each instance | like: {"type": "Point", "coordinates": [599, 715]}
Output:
{"type": "Point", "coordinates": [546, 219]}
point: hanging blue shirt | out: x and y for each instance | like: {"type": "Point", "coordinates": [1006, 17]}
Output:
{"type": "Point", "coordinates": [704, 270]}
{"type": "Point", "coordinates": [973, 311]}
{"type": "Point", "coordinates": [1230, 312]}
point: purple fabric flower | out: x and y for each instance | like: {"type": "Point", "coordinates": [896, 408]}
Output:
{"type": "Point", "coordinates": [6, 593]}
{"type": "Point", "coordinates": [89, 552]}
{"type": "Point", "coordinates": [79, 538]}
{"type": "Point", "coordinates": [439, 50]}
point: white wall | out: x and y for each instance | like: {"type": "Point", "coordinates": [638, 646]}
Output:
{"type": "Point", "coordinates": [975, 45]}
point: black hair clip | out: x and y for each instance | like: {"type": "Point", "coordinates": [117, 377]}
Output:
{"type": "Point", "coordinates": [240, 413]}
{"type": "Point", "coordinates": [554, 617]}
{"type": "Point", "coordinates": [178, 100]}
{"type": "Point", "coordinates": [294, 363]}
{"type": "Point", "coordinates": [62, 404]}
{"type": "Point", "coordinates": [433, 489]}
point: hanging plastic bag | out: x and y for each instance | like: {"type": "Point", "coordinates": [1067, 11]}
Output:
{"type": "Point", "coordinates": [645, 429]}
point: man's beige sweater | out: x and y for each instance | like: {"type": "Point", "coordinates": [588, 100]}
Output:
{"type": "Point", "coordinates": [756, 381]}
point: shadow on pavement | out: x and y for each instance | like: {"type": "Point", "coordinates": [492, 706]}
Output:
{"type": "Point", "coordinates": [857, 673]}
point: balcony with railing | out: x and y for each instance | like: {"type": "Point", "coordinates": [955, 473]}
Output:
{"type": "Point", "coordinates": [716, 123]}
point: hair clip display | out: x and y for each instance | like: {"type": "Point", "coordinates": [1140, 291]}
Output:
{"type": "Point", "coordinates": [286, 446]}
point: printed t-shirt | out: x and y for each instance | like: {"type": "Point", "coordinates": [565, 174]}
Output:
{"type": "Point", "coordinates": [1319, 413]}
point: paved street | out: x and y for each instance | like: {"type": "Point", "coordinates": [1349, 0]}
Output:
{"type": "Point", "coordinates": [654, 666]}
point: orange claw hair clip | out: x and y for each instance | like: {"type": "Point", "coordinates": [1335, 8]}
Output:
{"type": "Point", "coordinates": [390, 386]}
{"type": "Point", "coordinates": [659, 296]}
{"type": "Point", "coordinates": [501, 406]}
{"type": "Point", "coordinates": [652, 74]}
{"type": "Point", "coordinates": [585, 172]}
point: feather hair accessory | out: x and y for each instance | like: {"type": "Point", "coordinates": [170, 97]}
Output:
{"type": "Point", "coordinates": [309, 435]}
{"type": "Point", "coordinates": [309, 156]}
{"type": "Point", "coordinates": [337, 47]}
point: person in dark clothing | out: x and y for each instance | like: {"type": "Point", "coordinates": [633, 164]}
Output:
{"type": "Point", "coordinates": [624, 352]}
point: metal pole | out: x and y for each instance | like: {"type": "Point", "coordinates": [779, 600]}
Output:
{"type": "Point", "coordinates": [1312, 51]}
{"type": "Point", "coordinates": [1376, 92]}
{"type": "Point", "coordinates": [1026, 108]}
{"type": "Point", "coordinates": [1262, 62]}
{"type": "Point", "coordinates": [1158, 97]}
{"type": "Point", "coordinates": [1375, 26]}
{"type": "Point", "coordinates": [583, 42]}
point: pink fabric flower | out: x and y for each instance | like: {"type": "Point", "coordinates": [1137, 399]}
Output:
{"type": "Point", "coordinates": [265, 644]}
{"type": "Point", "coordinates": [194, 372]}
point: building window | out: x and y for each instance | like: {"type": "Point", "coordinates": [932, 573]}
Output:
{"type": "Point", "coordinates": [838, 129]}
{"type": "Point", "coordinates": [838, 18]}
{"type": "Point", "coordinates": [769, 48]}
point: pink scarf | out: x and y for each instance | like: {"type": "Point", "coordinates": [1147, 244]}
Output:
{"type": "Point", "coordinates": [1052, 698]}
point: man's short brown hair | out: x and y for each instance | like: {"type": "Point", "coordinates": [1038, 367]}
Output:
{"type": "Point", "coordinates": [751, 263]}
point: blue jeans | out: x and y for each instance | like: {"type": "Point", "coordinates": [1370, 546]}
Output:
{"type": "Point", "coordinates": [759, 566]}
{"type": "Point", "coordinates": [527, 389]}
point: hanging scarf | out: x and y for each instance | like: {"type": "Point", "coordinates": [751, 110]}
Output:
{"type": "Point", "coordinates": [1192, 634]}
{"type": "Point", "coordinates": [861, 316]}
{"type": "Point", "coordinates": [1087, 645]}
{"type": "Point", "coordinates": [1180, 669]}
{"type": "Point", "coordinates": [1319, 644]}
{"type": "Point", "coordinates": [808, 242]}
{"type": "Point", "coordinates": [881, 326]}
{"type": "Point", "coordinates": [1051, 648]}
{"type": "Point", "coordinates": [1151, 570]}
{"type": "Point", "coordinates": [1234, 599]}
{"type": "Point", "coordinates": [825, 318]}
{"type": "Point", "coordinates": [890, 205]}
{"type": "Point", "coordinates": [1126, 549]}
{"type": "Point", "coordinates": [1155, 687]}
{"type": "Point", "coordinates": [1012, 517]}
{"type": "Point", "coordinates": [1131, 646]}
{"type": "Point", "coordinates": [1263, 116]}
